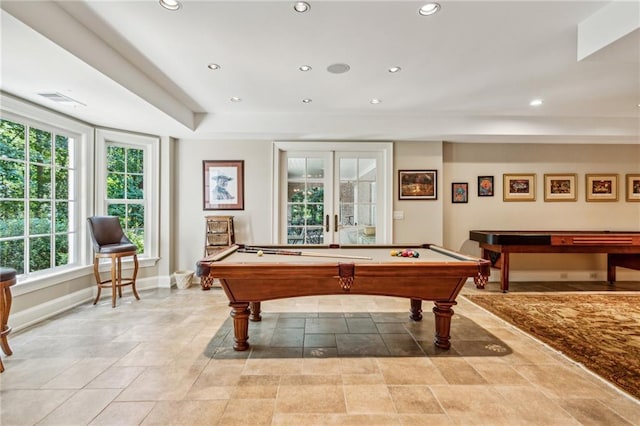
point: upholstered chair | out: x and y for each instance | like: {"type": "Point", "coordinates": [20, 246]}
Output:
{"type": "Point", "coordinates": [109, 241]}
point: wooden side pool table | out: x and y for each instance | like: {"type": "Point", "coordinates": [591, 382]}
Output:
{"type": "Point", "coordinates": [622, 248]}
{"type": "Point", "coordinates": [436, 275]}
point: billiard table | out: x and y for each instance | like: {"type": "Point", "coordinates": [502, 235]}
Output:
{"type": "Point", "coordinates": [622, 248]}
{"type": "Point", "coordinates": [249, 277]}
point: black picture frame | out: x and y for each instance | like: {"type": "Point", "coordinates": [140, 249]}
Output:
{"type": "Point", "coordinates": [459, 192]}
{"type": "Point", "coordinates": [417, 184]}
{"type": "Point", "coordinates": [485, 186]}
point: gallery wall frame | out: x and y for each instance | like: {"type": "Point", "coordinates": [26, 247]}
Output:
{"type": "Point", "coordinates": [223, 184]}
{"type": "Point", "coordinates": [459, 192]}
{"type": "Point", "coordinates": [632, 187]}
{"type": "Point", "coordinates": [519, 187]}
{"type": "Point", "coordinates": [560, 187]}
{"type": "Point", "coordinates": [417, 184]}
{"type": "Point", "coordinates": [601, 187]}
{"type": "Point", "coordinates": [485, 186]}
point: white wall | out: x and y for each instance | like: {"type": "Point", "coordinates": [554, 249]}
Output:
{"type": "Point", "coordinates": [465, 162]}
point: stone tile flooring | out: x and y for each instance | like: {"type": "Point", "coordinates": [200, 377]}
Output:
{"type": "Point", "coordinates": [167, 359]}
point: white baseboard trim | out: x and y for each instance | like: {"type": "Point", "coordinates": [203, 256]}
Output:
{"type": "Point", "coordinates": [41, 312]}
{"type": "Point", "coordinates": [35, 314]}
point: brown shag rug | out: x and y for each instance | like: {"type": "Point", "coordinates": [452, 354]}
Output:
{"type": "Point", "coordinates": [600, 331]}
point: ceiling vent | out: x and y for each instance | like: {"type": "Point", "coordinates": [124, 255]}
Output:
{"type": "Point", "coordinates": [338, 68]}
{"type": "Point", "coordinates": [61, 99]}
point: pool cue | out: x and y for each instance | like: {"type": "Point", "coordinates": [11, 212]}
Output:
{"type": "Point", "coordinates": [298, 253]}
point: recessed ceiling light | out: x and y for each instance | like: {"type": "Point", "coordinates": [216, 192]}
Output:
{"type": "Point", "coordinates": [235, 99]}
{"type": "Point", "coordinates": [306, 101]}
{"type": "Point", "coordinates": [170, 4]}
{"type": "Point", "coordinates": [305, 68]}
{"type": "Point", "coordinates": [375, 101]}
{"type": "Point", "coordinates": [301, 6]}
{"type": "Point", "coordinates": [536, 102]}
{"type": "Point", "coordinates": [213, 67]}
{"type": "Point", "coordinates": [429, 9]}
{"type": "Point", "coordinates": [394, 70]}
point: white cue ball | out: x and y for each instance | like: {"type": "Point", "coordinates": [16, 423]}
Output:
{"type": "Point", "coordinates": [260, 253]}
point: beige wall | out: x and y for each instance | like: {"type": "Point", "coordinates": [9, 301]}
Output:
{"type": "Point", "coordinates": [423, 219]}
{"type": "Point", "coordinates": [437, 221]}
{"type": "Point", "coordinates": [252, 225]}
{"type": "Point", "coordinates": [465, 162]}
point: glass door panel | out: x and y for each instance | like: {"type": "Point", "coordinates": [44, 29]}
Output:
{"type": "Point", "coordinates": [307, 215]}
{"type": "Point", "coordinates": [328, 196]}
{"type": "Point", "coordinates": [358, 174]}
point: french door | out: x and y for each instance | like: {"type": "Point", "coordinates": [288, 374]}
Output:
{"type": "Point", "coordinates": [329, 196]}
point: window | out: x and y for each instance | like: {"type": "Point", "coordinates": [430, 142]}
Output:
{"type": "Point", "coordinates": [125, 190]}
{"type": "Point", "coordinates": [127, 185]}
{"type": "Point", "coordinates": [38, 198]}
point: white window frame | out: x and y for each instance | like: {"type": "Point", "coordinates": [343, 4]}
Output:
{"type": "Point", "coordinates": [151, 147]}
{"type": "Point", "coordinates": [15, 109]}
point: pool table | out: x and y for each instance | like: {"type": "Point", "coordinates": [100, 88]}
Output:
{"type": "Point", "coordinates": [622, 247]}
{"type": "Point", "coordinates": [249, 277]}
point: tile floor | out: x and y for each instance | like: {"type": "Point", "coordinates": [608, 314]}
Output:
{"type": "Point", "coordinates": [166, 360]}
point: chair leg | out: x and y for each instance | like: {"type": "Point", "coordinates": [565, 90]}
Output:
{"type": "Point", "coordinates": [96, 272]}
{"type": "Point", "coordinates": [114, 278]}
{"type": "Point", "coordinates": [135, 275]}
{"type": "Point", "coordinates": [119, 280]}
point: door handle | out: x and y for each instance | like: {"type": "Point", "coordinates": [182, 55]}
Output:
{"type": "Point", "coordinates": [326, 223]}
{"type": "Point", "coordinates": [335, 223]}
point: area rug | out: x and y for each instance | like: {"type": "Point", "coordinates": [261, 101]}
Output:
{"type": "Point", "coordinates": [600, 331]}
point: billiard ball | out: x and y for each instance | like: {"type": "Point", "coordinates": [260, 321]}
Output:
{"type": "Point", "coordinates": [260, 253]}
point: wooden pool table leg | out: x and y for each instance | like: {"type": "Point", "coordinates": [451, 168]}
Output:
{"type": "Point", "coordinates": [240, 315]}
{"type": "Point", "coordinates": [416, 310]}
{"type": "Point", "coordinates": [254, 307]}
{"type": "Point", "coordinates": [611, 269]}
{"type": "Point", "coordinates": [443, 314]}
{"type": "Point", "coordinates": [504, 272]}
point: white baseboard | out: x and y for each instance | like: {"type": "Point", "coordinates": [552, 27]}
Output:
{"type": "Point", "coordinates": [35, 314]}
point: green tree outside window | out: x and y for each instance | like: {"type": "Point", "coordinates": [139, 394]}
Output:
{"type": "Point", "coordinates": [36, 167]}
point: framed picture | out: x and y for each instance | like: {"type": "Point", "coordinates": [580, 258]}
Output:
{"type": "Point", "coordinates": [223, 185]}
{"type": "Point", "coordinates": [561, 187]}
{"type": "Point", "coordinates": [602, 187]}
{"type": "Point", "coordinates": [417, 184]}
{"type": "Point", "coordinates": [459, 192]}
{"type": "Point", "coordinates": [633, 187]}
{"type": "Point", "coordinates": [485, 186]}
{"type": "Point", "coordinates": [519, 187]}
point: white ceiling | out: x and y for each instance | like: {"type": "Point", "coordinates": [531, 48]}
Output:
{"type": "Point", "coordinates": [468, 72]}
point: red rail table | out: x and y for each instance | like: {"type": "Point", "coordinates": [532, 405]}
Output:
{"type": "Point", "coordinates": [436, 275]}
{"type": "Point", "coordinates": [622, 248]}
